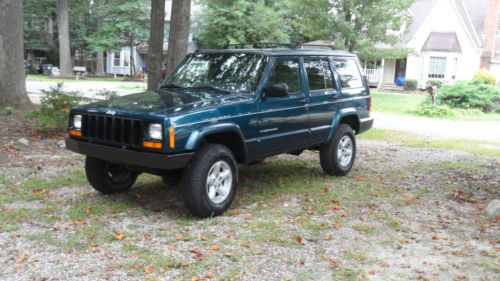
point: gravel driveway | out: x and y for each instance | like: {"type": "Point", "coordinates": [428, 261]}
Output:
{"type": "Point", "coordinates": [440, 128]}
{"type": "Point", "coordinates": [402, 214]}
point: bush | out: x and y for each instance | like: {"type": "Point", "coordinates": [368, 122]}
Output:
{"type": "Point", "coordinates": [438, 111]}
{"type": "Point", "coordinates": [485, 76]}
{"type": "Point", "coordinates": [54, 109]}
{"type": "Point", "coordinates": [469, 95]}
{"type": "Point", "coordinates": [8, 110]}
{"type": "Point", "coordinates": [410, 85]}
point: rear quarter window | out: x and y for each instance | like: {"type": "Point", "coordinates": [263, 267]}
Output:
{"type": "Point", "coordinates": [348, 72]}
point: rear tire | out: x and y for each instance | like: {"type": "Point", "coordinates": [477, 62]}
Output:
{"type": "Point", "coordinates": [108, 178]}
{"type": "Point", "coordinates": [209, 181]}
{"type": "Point", "coordinates": [337, 156]}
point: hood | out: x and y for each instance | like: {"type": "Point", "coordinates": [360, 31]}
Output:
{"type": "Point", "coordinates": [168, 100]}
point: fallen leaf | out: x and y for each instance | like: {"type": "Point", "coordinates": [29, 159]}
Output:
{"type": "Point", "coordinates": [460, 277]}
{"type": "Point", "coordinates": [215, 247]}
{"type": "Point", "coordinates": [78, 222]}
{"type": "Point", "coordinates": [248, 217]}
{"type": "Point", "coordinates": [233, 212]}
{"type": "Point", "coordinates": [119, 236]}
{"type": "Point", "coordinates": [195, 279]}
{"type": "Point", "coordinates": [409, 200]}
{"type": "Point", "coordinates": [459, 254]}
{"type": "Point", "coordinates": [21, 258]}
{"type": "Point", "coordinates": [180, 238]}
{"type": "Point", "coordinates": [334, 263]}
{"type": "Point", "coordinates": [209, 276]}
{"type": "Point", "coordinates": [40, 192]}
{"type": "Point", "coordinates": [338, 224]}
{"type": "Point", "coordinates": [184, 264]}
{"type": "Point", "coordinates": [197, 253]}
{"type": "Point", "coordinates": [358, 178]}
{"type": "Point", "coordinates": [299, 239]}
{"type": "Point", "coordinates": [281, 238]}
{"type": "Point", "coordinates": [148, 270]}
{"type": "Point", "coordinates": [385, 265]}
{"type": "Point", "coordinates": [302, 262]}
{"type": "Point", "coordinates": [435, 236]}
{"type": "Point", "coordinates": [257, 251]}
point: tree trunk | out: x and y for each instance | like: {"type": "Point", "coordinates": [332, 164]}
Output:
{"type": "Point", "coordinates": [64, 47]}
{"type": "Point", "coordinates": [131, 57]}
{"type": "Point", "coordinates": [179, 33]}
{"type": "Point", "coordinates": [12, 77]}
{"type": "Point", "coordinates": [99, 55]}
{"type": "Point", "coordinates": [156, 43]}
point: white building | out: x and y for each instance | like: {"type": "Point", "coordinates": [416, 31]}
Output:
{"type": "Point", "coordinates": [450, 40]}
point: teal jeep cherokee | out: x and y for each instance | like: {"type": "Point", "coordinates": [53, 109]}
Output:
{"type": "Point", "coordinates": [221, 108]}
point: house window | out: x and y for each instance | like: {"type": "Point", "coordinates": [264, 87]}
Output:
{"type": "Point", "coordinates": [116, 59]}
{"type": "Point", "coordinates": [126, 58]}
{"type": "Point", "coordinates": [437, 67]}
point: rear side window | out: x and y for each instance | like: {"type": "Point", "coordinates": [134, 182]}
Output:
{"type": "Point", "coordinates": [348, 72]}
{"type": "Point", "coordinates": [286, 71]}
{"type": "Point", "coordinates": [319, 74]}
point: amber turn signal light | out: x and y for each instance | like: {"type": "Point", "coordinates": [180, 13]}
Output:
{"type": "Point", "coordinates": [171, 137]}
{"type": "Point", "coordinates": [152, 144]}
{"type": "Point", "coordinates": [75, 133]}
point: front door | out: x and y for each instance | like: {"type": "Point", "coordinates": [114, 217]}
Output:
{"type": "Point", "coordinates": [400, 68]}
{"type": "Point", "coordinates": [283, 121]}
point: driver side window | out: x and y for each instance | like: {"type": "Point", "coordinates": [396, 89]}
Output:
{"type": "Point", "coordinates": [286, 71]}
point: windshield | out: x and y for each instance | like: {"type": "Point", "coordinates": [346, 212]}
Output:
{"type": "Point", "coordinates": [235, 73]}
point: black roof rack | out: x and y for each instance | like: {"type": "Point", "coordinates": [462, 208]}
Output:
{"type": "Point", "coordinates": [265, 45]}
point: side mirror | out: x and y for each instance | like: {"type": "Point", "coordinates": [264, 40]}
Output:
{"type": "Point", "coordinates": [276, 90]}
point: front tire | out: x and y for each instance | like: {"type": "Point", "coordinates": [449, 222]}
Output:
{"type": "Point", "coordinates": [108, 178]}
{"type": "Point", "coordinates": [337, 156]}
{"type": "Point", "coordinates": [209, 181]}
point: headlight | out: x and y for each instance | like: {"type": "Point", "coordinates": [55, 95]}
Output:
{"type": "Point", "coordinates": [155, 131]}
{"type": "Point", "coordinates": [77, 122]}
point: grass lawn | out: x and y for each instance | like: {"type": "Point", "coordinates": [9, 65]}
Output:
{"type": "Point", "coordinates": [407, 104]}
{"type": "Point", "coordinates": [32, 77]}
{"type": "Point", "coordinates": [414, 140]}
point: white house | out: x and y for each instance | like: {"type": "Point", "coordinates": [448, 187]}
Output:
{"type": "Point", "coordinates": [448, 38]}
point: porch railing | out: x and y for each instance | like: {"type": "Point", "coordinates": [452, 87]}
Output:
{"type": "Point", "coordinates": [373, 75]}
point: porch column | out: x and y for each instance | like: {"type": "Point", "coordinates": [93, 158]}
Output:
{"type": "Point", "coordinates": [381, 73]}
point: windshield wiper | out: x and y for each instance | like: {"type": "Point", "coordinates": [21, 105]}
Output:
{"type": "Point", "coordinates": [212, 88]}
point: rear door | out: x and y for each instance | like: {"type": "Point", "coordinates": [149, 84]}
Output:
{"type": "Point", "coordinates": [283, 122]}
{"type": "Point", "coordinates": [324, 96]}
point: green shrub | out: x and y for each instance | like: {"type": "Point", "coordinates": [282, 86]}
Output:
{"type": "Point", "coordinates": [54, 109]}
{"type": "Point", "coordinates": [410, 84]}
{"type": "Point", "coordinates": [437, 83]}
{"type": "Point", "coordinates": [8, 110]}
{"type": "Point", "coordinates": [485, 76]}
{"type": "Point", "coordinates": [438, 111]}
{"type": "Point", "coordinates": [470, 94]}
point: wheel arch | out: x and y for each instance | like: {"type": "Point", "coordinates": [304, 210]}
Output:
{"type": "Point", "coordinates": [347, 116]}
{"type": "Point", "coordinates": [227, 134]}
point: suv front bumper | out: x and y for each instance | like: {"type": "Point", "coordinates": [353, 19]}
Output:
{"type": "Point", "coordinates": [129, 157]}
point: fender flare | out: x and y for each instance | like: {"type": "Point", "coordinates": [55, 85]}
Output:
{"type": "Point", "coordinates": [349, 111]}
{"type": "Point", "coordinates": [197, 135]}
